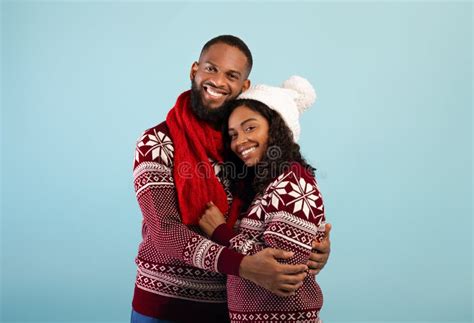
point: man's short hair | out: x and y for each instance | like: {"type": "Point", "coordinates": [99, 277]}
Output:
{"type": "Point", "coordinates": [234, 42]}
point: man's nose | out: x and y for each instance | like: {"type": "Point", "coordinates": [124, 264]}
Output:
{"type": "Point", "coordinates": [218, 79]}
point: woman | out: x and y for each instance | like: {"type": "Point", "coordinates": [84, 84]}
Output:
{"type": "Point", "coordinates": [287, 210]}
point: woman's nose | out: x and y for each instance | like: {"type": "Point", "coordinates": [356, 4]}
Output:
{"type": "Point", "coordinates": [242, 139]}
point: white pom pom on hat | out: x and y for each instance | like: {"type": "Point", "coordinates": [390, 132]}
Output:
{"type": "Point", "coordinates": [306, 93]}
{"type": "Point", "coordinates": [294, 97]}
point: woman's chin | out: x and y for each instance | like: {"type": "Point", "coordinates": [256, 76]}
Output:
{"type": "Point", "coordinates": [252, 162]}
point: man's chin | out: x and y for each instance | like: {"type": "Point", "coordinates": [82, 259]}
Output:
{"type": "Point", "coordinates": [213, 112]}
{"type": "Point", "coordinates": [210, 107]}
{"type": "Point", "coordinates": [213, 115]}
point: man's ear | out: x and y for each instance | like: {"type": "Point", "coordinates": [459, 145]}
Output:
{"type": "Point", "coordinates": [193, 71]}
{"type": "Point", "coordinates": [246, 85]}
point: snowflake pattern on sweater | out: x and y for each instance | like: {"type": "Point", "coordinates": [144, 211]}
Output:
{"type": "Point", "coordinates": [175, 262]}
{"type": "Point", "coordinates": [288, 215]}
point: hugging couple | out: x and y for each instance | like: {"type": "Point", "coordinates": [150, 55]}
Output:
{"type": "Point", "coordinates": [243, 243]}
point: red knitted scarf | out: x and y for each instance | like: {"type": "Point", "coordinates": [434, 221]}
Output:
{"type": "Point", "coordinates": [195, 142]}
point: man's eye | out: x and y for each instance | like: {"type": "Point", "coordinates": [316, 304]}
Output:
{"type": "Point", "coordinates": [210, 69]}
{"type": "Point", "coordinates": [233, 76]}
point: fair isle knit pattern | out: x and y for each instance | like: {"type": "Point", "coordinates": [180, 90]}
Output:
{"type": "Point", "coordinates": [175, 262]}
{"type": "Point", "coordinates": [287, 317]}
{"type": "Point", "coordinates": [288, 215]}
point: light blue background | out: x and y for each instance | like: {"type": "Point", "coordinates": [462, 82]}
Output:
{"type": "Point", "coordinates": [391, 136]}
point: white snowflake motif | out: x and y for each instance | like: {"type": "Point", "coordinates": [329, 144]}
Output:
{"type": "Point", "coordinates": [258, 206]}
{"type": "Point", "coordinates": [305, 197]}
{"type": "Point", "coordinates": [159, 144]}
{"type": "Point", "coordinates": [278, 189]}
{"type": "Point", "coordinates": [261, 201]}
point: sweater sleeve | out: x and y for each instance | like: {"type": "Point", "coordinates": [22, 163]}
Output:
{"type": "Point", "coordinates": [289, 216]}
{"type": "Point", "coordinates": [223, 234]}
{"type": "Point", "coordinates": [157, 198]}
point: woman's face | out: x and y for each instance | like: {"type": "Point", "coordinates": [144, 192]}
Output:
{"type": "Point", "coordinates": [248, 132]}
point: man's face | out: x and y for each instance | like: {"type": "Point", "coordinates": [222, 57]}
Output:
{"type": "Point", "coordinates": [218, 77]}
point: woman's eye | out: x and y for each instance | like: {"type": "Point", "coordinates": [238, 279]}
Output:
{"type": "Point", "coordinates": [250, 128]}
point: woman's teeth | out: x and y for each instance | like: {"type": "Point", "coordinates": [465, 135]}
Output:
{"type": "Point", "coordinates": [247, 151]}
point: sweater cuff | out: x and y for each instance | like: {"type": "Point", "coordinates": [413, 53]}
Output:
{"type": "Point", "coordinates": [229, 262]}
{"type": "Point", "coordinates": [222, 235]}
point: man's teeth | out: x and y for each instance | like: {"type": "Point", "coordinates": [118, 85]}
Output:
{"type": "Point", "coordinates": [214, 93]}
{"type": "Point", "coordinates": [247, 151]}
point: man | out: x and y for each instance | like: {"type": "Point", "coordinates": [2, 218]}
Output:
{"type": "Point", "coordinates": [181, 273]}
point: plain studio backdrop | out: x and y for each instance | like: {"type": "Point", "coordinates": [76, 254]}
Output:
{"type": "Point", "coordinates": [390, 135]}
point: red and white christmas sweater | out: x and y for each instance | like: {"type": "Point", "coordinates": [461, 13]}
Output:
{"type": "Point", "coordinates": [180, 274]}
{"type": "Point", "coordinates": [288, 215]}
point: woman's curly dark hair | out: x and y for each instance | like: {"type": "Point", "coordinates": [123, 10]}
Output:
{"type": "Point", "coordinates": [281, 150]}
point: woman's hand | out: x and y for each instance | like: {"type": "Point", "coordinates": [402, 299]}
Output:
{"type": "Point", "coordinates": [211, 219]}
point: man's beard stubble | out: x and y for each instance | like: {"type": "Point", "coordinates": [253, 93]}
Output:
{"type": "Point", "coordinates": [214, 116]}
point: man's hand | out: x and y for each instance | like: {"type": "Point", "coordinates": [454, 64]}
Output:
{"type": "Point", "coordinates": [319, 257]}
{"type": "Point", "coordinates": [264, 270]}
{"type": "Point", "coordinates": [211, 219]}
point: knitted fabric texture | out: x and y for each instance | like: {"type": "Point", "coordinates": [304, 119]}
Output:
{"type": "Point", "coordinates": [177, 267]}
{"type": "Point", "coordinates": [195, 142]}
{"type": "Point", "coordinates": [289, 215]}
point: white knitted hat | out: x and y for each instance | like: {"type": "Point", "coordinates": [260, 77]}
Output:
{"type": "Point", "coordinates": [290, 100]}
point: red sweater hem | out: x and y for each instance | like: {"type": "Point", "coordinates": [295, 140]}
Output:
{"type": "Point", "coordinates": [179, 310]}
